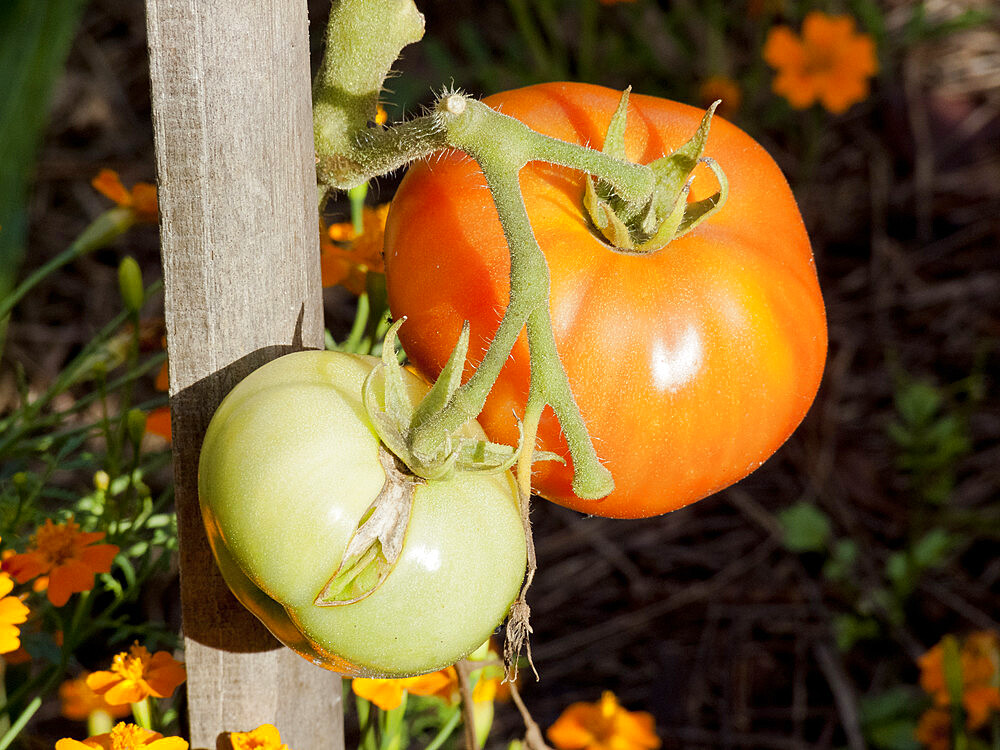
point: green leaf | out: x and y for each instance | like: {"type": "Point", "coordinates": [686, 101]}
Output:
{"type": "Point", "coordinates": [918, 402]}
{"type": "Point", "coordinates": [895, 735]}
{"type": "Point", "coordinates": [447, 383]}
{"type": "Point", "coordinates": [35, 37]}
{"type": "Point", "coordinates": [806, 528]}
{"type": "Point", "coordinates": [894, 703]}
{"type": "Point", "coordinates": [931, 549]}
{"type": "Point", "coordinates": [842, 559]}
{"type": "Point", "coordinates": [849, 629]}
{"type": "Point", "coordinates": [614, 140]}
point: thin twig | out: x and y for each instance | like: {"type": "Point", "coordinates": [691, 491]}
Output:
{"type": "Point", "coordinates": [533, 738]}
{"type": "Point", "coordinates": [518, 634]}
{"type": "Point", "coordinates": [462, 670]}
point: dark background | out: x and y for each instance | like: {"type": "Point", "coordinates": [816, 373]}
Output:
{"type": "Point", "coordinates": [709, 617]}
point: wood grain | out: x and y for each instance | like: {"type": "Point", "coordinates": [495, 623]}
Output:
{"type": "Point", "coordinates": [237, 190]}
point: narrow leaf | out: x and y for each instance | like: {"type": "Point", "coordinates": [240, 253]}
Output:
{"type": "Point", "coordinates": [697, 212]}
{"type": "Point", "coordinates": [397, 400]}
{"type": "Point", "coordinates": [614, 140]}
{"type": "Point", "coordinates": [673, 170]}
{"type": "Point", "coordinates": [447, 383]}
{"type": "Point", "coordinates": [484, 456]}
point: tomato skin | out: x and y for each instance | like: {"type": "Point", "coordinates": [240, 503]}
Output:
{"type": "Point", "coordinates": [690, 365]}
{"type": "Point", "coordinates": [288, 468]}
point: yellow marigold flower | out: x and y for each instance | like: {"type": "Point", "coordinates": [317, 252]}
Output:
{"type": "Point", "coordinates": [934, 729]}
{"type": "Point", "coordinates": [346, 257]}
{"type": "Point", "coordinates": [603, 725]}
{"type": "Point", "coordinates": [141, 198]}
{"type": "Point", "coordinates": [264, 737]}
{"type": "Point", "coordinates": [388, 694]}
{"type": "Point", "coordinates": [725, 88]}
{"type": "Point", "coordinates": [67, 556]}
{"type": "Point", "coordinates": [79, 701]}
{"type": "Point", "coordinates": [125, 737]}
{"type": "Point", "coordinates": [135, 675]}
{"type": "Point", "coordinates": [830, 63]}
{"type": "Point", "coordinates": [12, 613]}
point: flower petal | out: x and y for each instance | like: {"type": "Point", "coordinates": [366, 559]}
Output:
{"type": "Point", "coordinates": [26, 566]}
{"type": "Point", "coordinates": [164, 674]}
{"type": "Point", "coordinates": [71, 577]}
{"type": "Point", "coordinates": [98, 557]}
{"type": "Point", "coordinates": [386, 694]}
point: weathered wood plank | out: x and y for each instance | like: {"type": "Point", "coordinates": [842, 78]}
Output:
{"type": "Point", "coordinates": [233, 129]}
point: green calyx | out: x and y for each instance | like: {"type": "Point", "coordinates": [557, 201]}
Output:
{"type": "Point", "coordinates": [397, 418]}
{"type": "Point", "coordinates": [644, 228]}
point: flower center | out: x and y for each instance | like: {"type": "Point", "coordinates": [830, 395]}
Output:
{"type": "Point", "coordinates": [58, 542]}
{"type": "Point", "coordinates": [131, 666]}
{"type": "Point", "coordinates": [127, 737]}
{"type": "Point", "coordinates": [819, 60]}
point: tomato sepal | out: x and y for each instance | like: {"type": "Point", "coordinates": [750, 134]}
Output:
{"type": "Point", "coordinates": [668, 214]}
{"type": "Point", "coordinates": [395, 418]}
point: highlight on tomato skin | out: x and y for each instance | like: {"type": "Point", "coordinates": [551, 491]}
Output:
{"type": "Point", "coordinates": [691, 365]}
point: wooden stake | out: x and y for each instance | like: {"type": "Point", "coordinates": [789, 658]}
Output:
{"type": "Point", "coordinates": [237, 189]}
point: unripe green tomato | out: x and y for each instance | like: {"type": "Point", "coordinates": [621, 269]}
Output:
{"type": "Point", "coordinates": [289, 467]}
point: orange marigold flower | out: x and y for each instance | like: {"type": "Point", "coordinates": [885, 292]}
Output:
{"type": "Point", "coordinates": [934, 729]}
{"type": "Point", "coordinates": [20, 656]}
{"type": "Point", "coordinates": [125, 737]}
{"type": "Point", "coordinates": [603, 725]}
{"type": "Point", "coordinates": [346, 257]}
{"type": "Point", "coordinates": [12, 613]}
{"type": "Point", "coordinates": [67, 556]}
{"type": "Point", "coordinates": [158, 422]}
{"type": "Point", "coordinates": [264, 737]}
{"type": "Point", "coordinates": [830, 63]}
{"type": "Point", "coordinates": [979, 702]}
{"type": "Point", "coordinates": [932, 672]}
{"type": "Point", "coordinates": [141, 199]}
{"type": "Point", "coordinates": [388, 694]}
{"type": "Point", "coordinates": [136, 675]}
{"type": "Point", "coordinates": [725, 88]}
{"type": "Point", "coordinates": [979, 658]}
{"type": "Point", "coordinates": [79, 701]}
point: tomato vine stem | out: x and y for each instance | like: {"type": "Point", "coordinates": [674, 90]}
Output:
{"type": "Point", "coordinates": [363, 39]}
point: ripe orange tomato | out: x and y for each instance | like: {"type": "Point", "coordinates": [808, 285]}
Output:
{"type": "Point", "coordinates": [691, 365]}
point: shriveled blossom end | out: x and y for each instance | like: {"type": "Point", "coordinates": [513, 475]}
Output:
{"type": "Point", "coordinates": [603, 725]}
{"type": "Point", "coordinates": [136, 675]}
{"type": "Point", "coordinates": [125, 737]}
{"type": "Point", "coordinates": [69, 557]}
{"type": "Point", "coordinates": [830, 63]}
